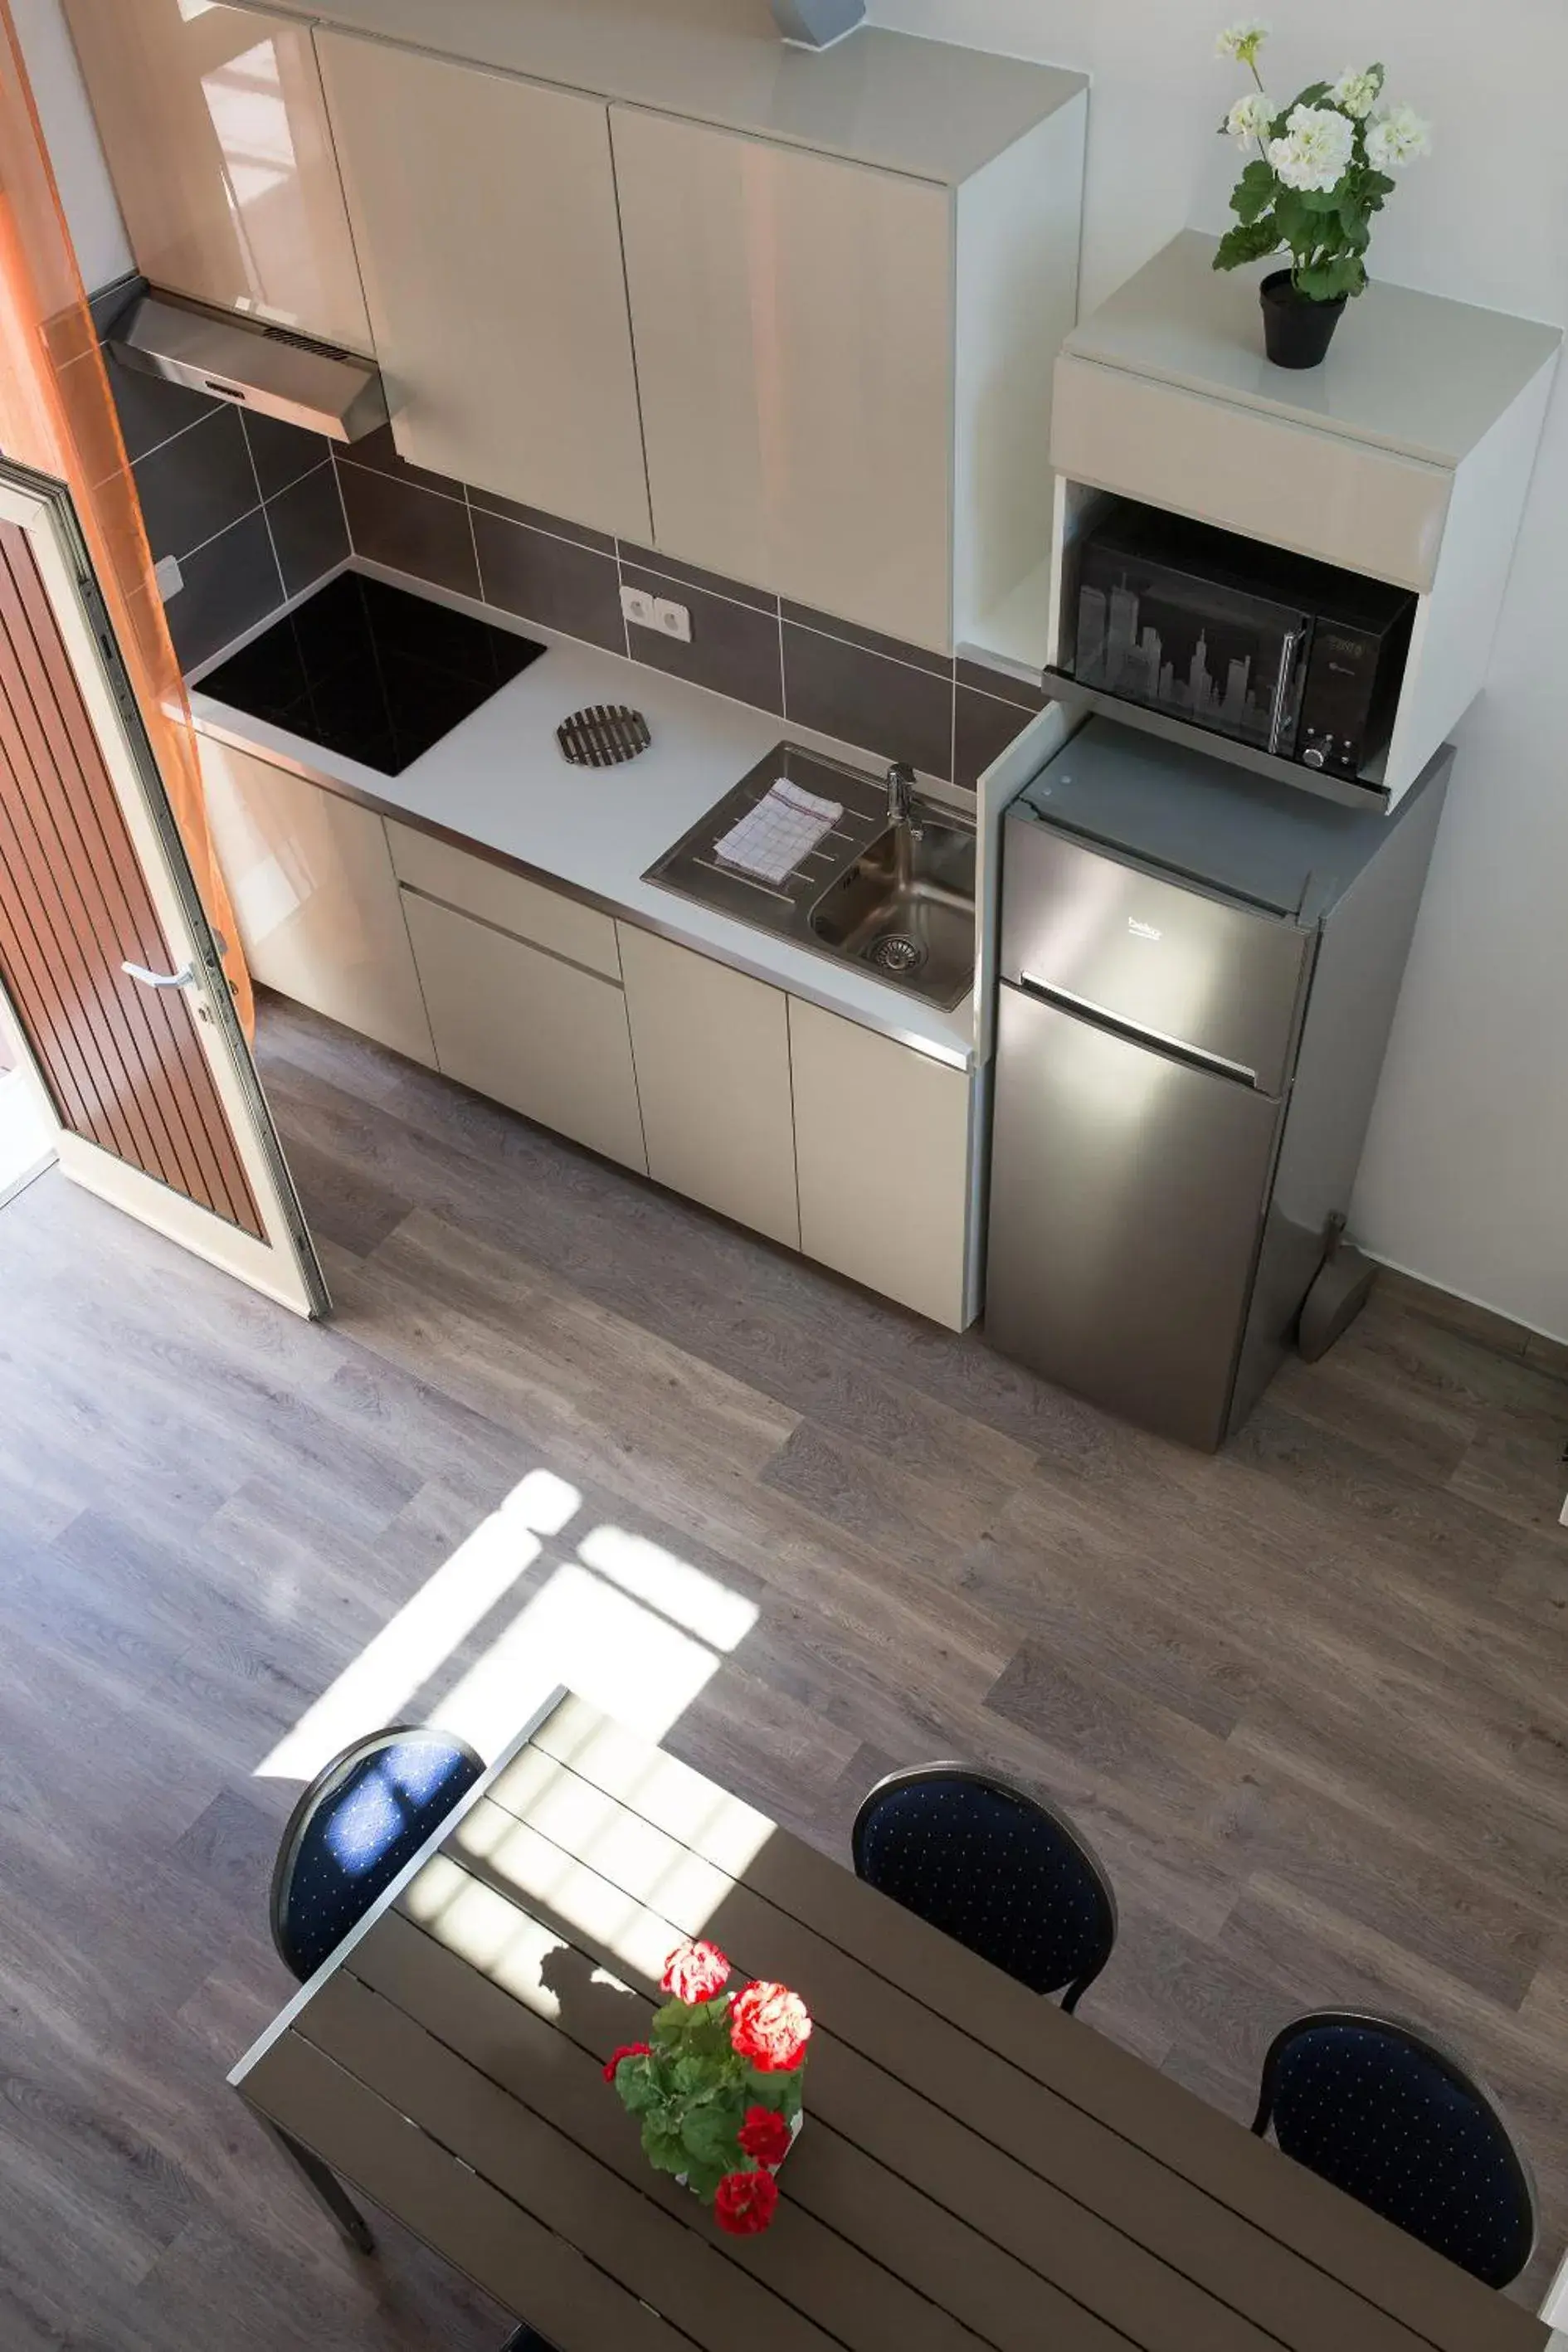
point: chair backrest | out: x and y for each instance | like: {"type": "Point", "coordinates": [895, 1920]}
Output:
{"type": "Point", "coordinates": [998, 1870]}
{"type": "Point", "coordinates": [363, 1816]}
{"type": "Point", "coordinates": [1400, 2123]}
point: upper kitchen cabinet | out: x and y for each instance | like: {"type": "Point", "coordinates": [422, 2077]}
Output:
{"type": "Point", "coordinates": [844, 369]}
{"type": "Point", "coordinates": [214, 125]}
{"type": "Point", "coordinates": [484, 210]}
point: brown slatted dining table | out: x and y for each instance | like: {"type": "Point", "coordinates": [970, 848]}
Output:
{"type": "Point", "coordinates": [976, 2169]}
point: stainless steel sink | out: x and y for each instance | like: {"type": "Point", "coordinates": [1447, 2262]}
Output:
{"type": "Point", "coordinates": [907, 907]}
{"type": "Point", "coordinates": [899, 900]}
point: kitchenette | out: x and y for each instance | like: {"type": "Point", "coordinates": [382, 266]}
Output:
{"type": "Point", "coordinates": [727, 663]}
{"type": "Point", "coordinates": [565, 937]}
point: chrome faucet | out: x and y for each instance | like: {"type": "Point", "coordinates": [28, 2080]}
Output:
{"type": "Point", "coordinates": [901, 800]}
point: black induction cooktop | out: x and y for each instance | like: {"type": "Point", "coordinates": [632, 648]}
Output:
{"type": "Point", "coordinates": [370, 671]}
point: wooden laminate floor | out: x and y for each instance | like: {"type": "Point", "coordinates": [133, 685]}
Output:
{"type": "Point", "coordinates": [1309, 1698]}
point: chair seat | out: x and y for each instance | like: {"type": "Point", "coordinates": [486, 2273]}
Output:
{"type": "Point", "coordinates": [365, 1816]}
{"type": "Point", "coordinates": [1397, 2124]}
{"type": "Point", "coordinates": [995, 1869]}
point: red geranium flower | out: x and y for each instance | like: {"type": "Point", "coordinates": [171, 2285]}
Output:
{"type": "Point", "coordinates": [770, 2026]}
{"type": "Point", "coordinates": [696, 1972]}
{"type": "Point", "coordinates": [627, 2049]}
{"type": "Point", "coordinates": [744, 2202]}
{"type": "Point", "coordinates": [764, 2136]}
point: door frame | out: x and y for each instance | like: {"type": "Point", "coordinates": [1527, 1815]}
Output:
{"type": "Point", "coordinates": [284, 1266]}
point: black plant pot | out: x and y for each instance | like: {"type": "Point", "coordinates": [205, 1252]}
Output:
{"type": "Point", "coordinates": [1297, 331]}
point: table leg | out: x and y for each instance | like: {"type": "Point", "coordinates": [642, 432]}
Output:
{"type": "Point", "coordinates": [329, 2190]}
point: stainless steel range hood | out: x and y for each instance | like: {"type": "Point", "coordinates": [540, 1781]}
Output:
{"type": "Point", "coordinates": [255, 365]}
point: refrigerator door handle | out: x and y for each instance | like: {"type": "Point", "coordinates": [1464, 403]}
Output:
{"type": "Point", "coordinates": [1174, 1049]}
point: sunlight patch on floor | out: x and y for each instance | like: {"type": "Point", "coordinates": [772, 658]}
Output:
{"type": "Point", "coordinates": [371, 1692]}
{"type": "Point", "coordinates": [632, 1627]}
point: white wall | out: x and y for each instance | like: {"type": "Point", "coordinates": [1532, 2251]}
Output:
{"type": "Point", "coordinates": [85, 191]}
{"type": "Point", "coordinates": [1466, 1175]}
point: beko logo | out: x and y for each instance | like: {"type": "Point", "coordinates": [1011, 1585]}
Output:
{"type": "Point", "coordinates": [1141, 930]}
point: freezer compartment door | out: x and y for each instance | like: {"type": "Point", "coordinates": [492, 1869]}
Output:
{"type": "Point", "coordinates": [1154, 955]}
{"type": "Point", "coordinates": [1128, 1191]}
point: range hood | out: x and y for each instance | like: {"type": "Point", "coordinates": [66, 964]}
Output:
{"type": "Point", "coordinates": [253, 364]}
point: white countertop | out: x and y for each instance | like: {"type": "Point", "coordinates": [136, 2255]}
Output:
{"type": "Point", "coordinates": [500, 782]}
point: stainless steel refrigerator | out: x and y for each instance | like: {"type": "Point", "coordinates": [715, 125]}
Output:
{"type": "Point", "coordinates": [1199, 969]}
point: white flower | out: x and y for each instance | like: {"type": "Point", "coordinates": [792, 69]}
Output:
{"type": "Point", "coordinates": [1315, 149]}
{"type": "Point", "coordinates": [1396, 137]}
{"type": "Point", "coordinates": [1357, 91]}
{"type": "Point", "coordinates": [1250, 116]}
{"type": "Point", "coordinates": [1243, 40]}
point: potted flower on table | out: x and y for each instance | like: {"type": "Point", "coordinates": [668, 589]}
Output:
{"type": "Point", "coordinates": [1324, 166]}
{"type": "Point", "coordinates": [718, 2089]}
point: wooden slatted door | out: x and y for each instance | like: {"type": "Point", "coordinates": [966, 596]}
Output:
{"type": "Point", "coordinates": [107, 962]}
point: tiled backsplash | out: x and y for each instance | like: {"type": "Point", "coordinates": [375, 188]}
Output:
{"type": "Point", "coordinates": [248, 508]}
{"type": "Point", "coordinates": [255, 511]}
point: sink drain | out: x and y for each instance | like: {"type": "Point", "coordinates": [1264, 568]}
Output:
{"type": "Point", "coordinates": [896, 951]}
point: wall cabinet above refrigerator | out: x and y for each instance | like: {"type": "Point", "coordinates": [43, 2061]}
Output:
{"type": "Point", "coordinates": [1404, 459]}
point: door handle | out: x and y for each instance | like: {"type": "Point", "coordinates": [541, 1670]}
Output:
{"type": "Point", "coordinates": [184, 978]}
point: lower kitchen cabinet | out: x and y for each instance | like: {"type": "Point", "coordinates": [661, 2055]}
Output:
{"type": "Point", "coordinates": [315, 897]}
{"type": "Point", "coordinates": [534, 1032]}
{"type": "Point", "coordinates": [881, 1141]}
{"type": "Point", "coordinates": [712, 1063]}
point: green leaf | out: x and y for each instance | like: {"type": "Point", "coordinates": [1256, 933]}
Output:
{"type": "Point", "coordinates": [775, 2092]}
{"type": "Point", "coordinates": [705, 2178]}
{"type": "Point", "coordinates": [1249, 242]}
{"type": "Point", "coordinates": [1354, 224]}
{"type": "Point", "coordinates": [1320, 200]}
{"type": "Point", "coordinates": [1254, 192]}
{"type": "Point", "coordinates": [664, 2150]}
{"type": "Point", "coordinates": [1326, 281]}
{"type": "Point", "coordinates": [1313, 95]}
{"type": "Point", "coordinates": [638, 2086]}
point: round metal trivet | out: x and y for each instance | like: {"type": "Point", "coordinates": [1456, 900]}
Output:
{"type": "Point", "coordinates": [896, 952]}
{"type": "Point", "coordinates": [603, 735]}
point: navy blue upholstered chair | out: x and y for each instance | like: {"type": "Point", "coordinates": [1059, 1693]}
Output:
{"type": "Point", "coordinates": [363, 1816]}
{"type": "Point", "coordinates": [1399, 2123]}
{"type": "Point", "coordinates": [998, 1870]}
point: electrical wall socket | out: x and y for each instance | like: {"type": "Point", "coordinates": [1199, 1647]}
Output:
{"type": "Point", "coordinates": [638, 607]}
{"type": "Point", "coordinates": [675, 620]}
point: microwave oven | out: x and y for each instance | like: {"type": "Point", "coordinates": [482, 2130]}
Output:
{"type": "Point", "coordinates": [1276, 650]}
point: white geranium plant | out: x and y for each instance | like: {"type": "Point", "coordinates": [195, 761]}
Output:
{"type": "Point", "coordinates": [1324, 166]}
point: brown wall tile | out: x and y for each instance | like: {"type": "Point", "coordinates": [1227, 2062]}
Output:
{"type": "Point", "coordinates": [982, 729]}
{"type": "Point", "coordinates": [895, 648]}
{"type": "Point", "coordinates": [646, 558]}
{"type": "Point", "coordinates": [554, 582]}
{"type": "Point", "coordinates": [887, 707]}
{"type": "Point", "coordinates": [397, 522]}
{"type": "Point", "coordinates": [734, 647]}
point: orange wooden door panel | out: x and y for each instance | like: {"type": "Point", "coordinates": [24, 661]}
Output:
{"type": "Point", "coordinates": [124, 1063]}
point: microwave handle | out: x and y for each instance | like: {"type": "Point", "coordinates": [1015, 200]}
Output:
{"type": "Point", "coordinates": [1282, 687]}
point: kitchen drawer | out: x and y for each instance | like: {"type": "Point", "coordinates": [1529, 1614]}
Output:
{"type": "Point", "coordinates": [1348, 502]}
{"type": "Point", "coordinates": [529, 1030]}
{"type": "Point", "coordinates": [526, 909]}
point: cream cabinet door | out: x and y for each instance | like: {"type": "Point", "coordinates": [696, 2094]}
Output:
{"type": "Point", "coordinates": [711, 1047]}
{"type": "Point", "coordinates": [215, 132]}
{"type": "Point", "coordinates": [485, 213]}
{"type": "Point", "coordinates": [881, 1139]}
{"type": "Point", "coordinates": [794, 320]}
{"type": "Point", "coordinates": [315, 897]}
{"type": "Point", "coordinates": [535, 1032]}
